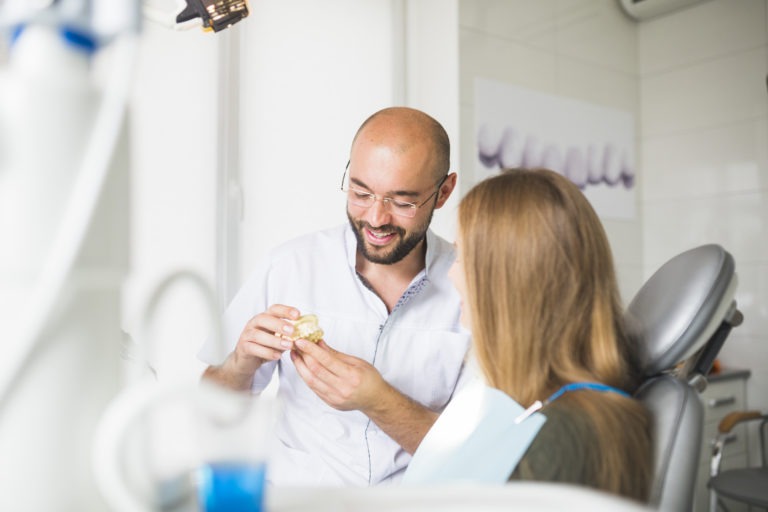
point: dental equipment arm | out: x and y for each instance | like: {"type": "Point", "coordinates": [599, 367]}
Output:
{"type": "Point", "coordinates": [216, 15]}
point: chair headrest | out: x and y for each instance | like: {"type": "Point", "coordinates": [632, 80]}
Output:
{"type": "Point", "coordinates": [682, 304]}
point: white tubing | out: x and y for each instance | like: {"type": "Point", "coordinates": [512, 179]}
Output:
{"type": "Point", "coordinates": [49, 289]}
{"type": "Point", "coordinates": [145, 344]}
{"type": "Point", "coordinates": [127, 408]}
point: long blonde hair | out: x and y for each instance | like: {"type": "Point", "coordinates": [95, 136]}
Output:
{"type": "Point", "coordinates": [544, 302]}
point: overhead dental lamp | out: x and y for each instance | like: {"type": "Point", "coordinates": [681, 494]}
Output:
{"type": "Point", "coordinates": [216, 15]}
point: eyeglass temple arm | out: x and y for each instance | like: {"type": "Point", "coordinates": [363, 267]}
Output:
{"type": "Point", "coordinates": [344, 176]}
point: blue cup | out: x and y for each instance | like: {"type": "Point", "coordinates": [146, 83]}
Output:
{"type": "Point", "coordinates": [230, 486]}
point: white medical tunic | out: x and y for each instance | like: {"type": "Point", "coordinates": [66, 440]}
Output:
{"type": "Point", "coordinates": [419, 348]}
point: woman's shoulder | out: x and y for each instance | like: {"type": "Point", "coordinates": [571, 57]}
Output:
{"type": "Point", "coordinates": [587, 438]}
{"type": "Point", "coordinates": [561, 450]}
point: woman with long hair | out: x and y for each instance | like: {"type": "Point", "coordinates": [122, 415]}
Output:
{"type": "Point", "coordinates": [539, 294]}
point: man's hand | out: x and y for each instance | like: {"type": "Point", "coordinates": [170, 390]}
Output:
{"type": "Point", "coordinates": [342, 381]}
{"type": "Point", "coordinates": [258, 343]}
{"type": "Point", "coordinates": [349, 383]}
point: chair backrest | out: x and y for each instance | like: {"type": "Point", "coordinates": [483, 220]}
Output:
{"type": "Point", "coordinates": [677, 427]}
{"type": "Point", "coordinates": [680, 319]}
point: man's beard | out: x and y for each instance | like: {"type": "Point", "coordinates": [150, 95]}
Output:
{"type": "Point", "coordinates": [406, 241]}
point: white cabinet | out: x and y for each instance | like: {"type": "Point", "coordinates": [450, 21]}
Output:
{"type": "Point", "coordinates": [726, 392]}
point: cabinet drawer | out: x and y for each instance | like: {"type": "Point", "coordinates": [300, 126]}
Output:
{"type": "Point", "coordinates": [721, 398]}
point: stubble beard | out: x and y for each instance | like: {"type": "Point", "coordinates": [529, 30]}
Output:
{"type": "Point", "coordinates": [406, 241]}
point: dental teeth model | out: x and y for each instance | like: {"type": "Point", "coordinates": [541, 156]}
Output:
{"type": "Point", "coordinates": [593, 165]}
{"type": "Point", "coordinates": [307, 328]}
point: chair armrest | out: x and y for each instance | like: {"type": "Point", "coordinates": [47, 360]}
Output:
{"type": "Point", "coordinates": [724, 435]}
{"type": "Point", "coordinates": [732, 419]}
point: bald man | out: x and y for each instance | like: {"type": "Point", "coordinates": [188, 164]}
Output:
{"type": "Point", "coordinates": [357, 404]}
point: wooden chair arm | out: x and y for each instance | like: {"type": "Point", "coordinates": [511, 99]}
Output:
{"type": "Point", "coordinates": [731, 420]}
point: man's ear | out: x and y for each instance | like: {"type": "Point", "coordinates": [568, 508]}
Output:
{"type": "Point", "coordinates": [446, 189]}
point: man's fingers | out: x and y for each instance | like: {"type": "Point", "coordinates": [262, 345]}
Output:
{"type": "Point", "coordinates": [311, 373]}
{"type": "Point", "coordinates": [276, 321]}
{"type": "Point", "coordinates": [318, 361]}
{"type": "Point", "coordinates": [256, 343]}
{"type": "Point", "coordinates": [265, 336]}
{"type": "Point", "coordinates": [323, 354]}
{"type": "Point", "coordinates": [283, 311]}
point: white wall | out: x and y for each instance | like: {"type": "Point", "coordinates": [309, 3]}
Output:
{"type": "Point", "coordinates": [173, 193]}
{"type": "Point", "coordinates": [579, 49]}
{"type": "Point", "coordinates": [312, 72]}
{"type": "Point", "coordinates": [705, 154]}
{"type": "Point", "coordinates": [431, 48]}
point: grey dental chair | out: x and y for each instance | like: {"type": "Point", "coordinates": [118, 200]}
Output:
{"type": "Point", "coordinates": [680, 318]}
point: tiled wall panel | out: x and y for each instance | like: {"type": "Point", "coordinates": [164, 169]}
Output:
{"type": "Point", "coordinates": [578, 49]}
{"type": "Point", "coordinates": [704, 153]}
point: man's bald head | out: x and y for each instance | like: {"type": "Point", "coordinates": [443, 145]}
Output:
{"type": "Point", "coordinates": [402, 128]}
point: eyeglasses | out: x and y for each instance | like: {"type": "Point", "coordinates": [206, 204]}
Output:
{"type": "Point", "coordinates": [365, 199]}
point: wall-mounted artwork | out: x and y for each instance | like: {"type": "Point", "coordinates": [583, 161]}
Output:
{"type": "Point", "coordinates": [592, 145]}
